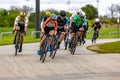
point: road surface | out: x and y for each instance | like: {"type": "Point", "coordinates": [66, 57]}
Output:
{"type": "Point", "coordinates": [84, 65]}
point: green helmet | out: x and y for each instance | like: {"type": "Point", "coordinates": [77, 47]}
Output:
{"type": "Point", "coordinates": [48, 13]}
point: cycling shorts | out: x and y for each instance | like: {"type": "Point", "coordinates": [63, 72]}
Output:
{"type": "Point", "coordinates": [75, 27]}
{"type": "Point", "coordinates": [61, 30]}
{"type": "Point", "coordinates": [22, 26]}
{"type": "Point", "coordinates": [48, 29]}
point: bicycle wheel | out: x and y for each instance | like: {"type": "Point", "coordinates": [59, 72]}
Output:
{"type": "Point", "coordinates": [44, 50]}
{"type": "Point", "coordinates": [54, 48]}
{"type": "Point", "coordinates": [17, 45]}
{"type": "Point", "coordinates": [74, 44]}
{"type": "Point", "coordinates": [94, 38]}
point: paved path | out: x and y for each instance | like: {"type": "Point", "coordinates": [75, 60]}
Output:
{"type": "Point", "coordinates": [84, 65]}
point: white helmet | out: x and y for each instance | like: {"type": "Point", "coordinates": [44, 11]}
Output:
{"type": "Point", "coordinates": [83, 14]}
{"type": "Point", "coordinates": [97, 20]}
{"type": "Point", "coordinates": [79, 11]}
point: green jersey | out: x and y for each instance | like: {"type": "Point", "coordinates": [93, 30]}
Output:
{"type": "Point", "coordinates": [77, 19]}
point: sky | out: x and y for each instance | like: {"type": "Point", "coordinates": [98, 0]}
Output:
{"type": "Point", "coordinates": [61, 4]}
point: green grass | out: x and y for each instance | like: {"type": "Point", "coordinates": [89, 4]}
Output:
{"type": "Point", "coordinates": [104, 33]}
{"type": "Point", "coordinates": [112, 47]}
{"type": "Point", "coordinates": [8, 38]}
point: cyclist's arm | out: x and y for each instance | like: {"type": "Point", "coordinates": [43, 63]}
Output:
{"type": "Point", "coordinates": [15, 23]}
{"type": "Point", "coordinates": [67, 23]}
{"type": "Point", "coordinates": [56, 25]}
{"type": "Point", "coordinates": [46, 22]}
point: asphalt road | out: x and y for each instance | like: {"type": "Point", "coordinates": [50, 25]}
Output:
{"type": "Point", "coordinates": [84, 65]}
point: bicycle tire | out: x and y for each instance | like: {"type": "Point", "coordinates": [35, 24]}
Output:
{"type": "Point", "coordinates": [54, 51]}
{"type": "Point", "coordinates": [74, 44]}
{"type": "Point", "coordinates": [17, 46]}
{"type": "Point", "coordinates": [44, 50]}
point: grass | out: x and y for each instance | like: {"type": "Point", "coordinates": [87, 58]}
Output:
{"type": "Point", "coordinates": [29, 38]}
{"type": "Point", "coordinates": [105, 33]}
{"type": "Point", "coordinates": [8, 38]}
{"type": "Point", "coordinates": [112, 47]}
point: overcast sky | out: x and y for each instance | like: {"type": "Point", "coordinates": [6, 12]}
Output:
{"type": "Point", "coordinates": [60, 4]}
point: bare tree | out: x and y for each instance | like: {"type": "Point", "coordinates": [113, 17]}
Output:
{"type": "Point", "coordinates": [27, 9]}
{"type": "Point", "coordinates": [112, 10]}
{"type": "Point", "coordinates": [118, 9]}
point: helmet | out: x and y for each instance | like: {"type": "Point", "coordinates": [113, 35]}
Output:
{"type": "Point", "coordinates": [82, 14]}
{"type": "Point", "coordinates": [53, 16]}
{"type": "Point", "coordinates": [79, 11]}
{"type": "Point", "coordinates": [48, 13]}
{"type": "Point", "coordinates": [97, 20]}
{"type": "Point", "coordinates": [62, 13]}
{"type": "Point", "coordinates": [22, 14]}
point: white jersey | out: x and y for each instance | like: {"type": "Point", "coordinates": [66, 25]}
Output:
{"type": "Point", "coordinates": [17, 21]}
{"type": "Point", "coordinates": [73, 15]}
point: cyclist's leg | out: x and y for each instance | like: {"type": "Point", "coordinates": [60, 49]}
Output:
{"type": "Point", "coordinates": [16, 32]}
{"type": "Point", "coordinates": [71, 39]}
{"type": "Point", "coordinates": [21, 38]}
{"type": "Point", "coordinates": [61, 37]}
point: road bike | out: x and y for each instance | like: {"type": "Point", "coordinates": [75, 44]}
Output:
{"type": "Point", "coordinates": [44, 48]}
{"type": "Point", "coordinates": [17, 42]}
{"type": "Point", "coordinates": [94, 37]}
{"type": "Point", "coordinates": [74, 42]}
{"type": "Point", "coordinates": [55, 45]}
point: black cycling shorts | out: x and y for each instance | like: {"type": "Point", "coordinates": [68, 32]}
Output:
{"type": "Point", "coordinates": [60, 30]}
{"type": "Point", "coordinates": [48, 29]}
{"type": "Point", "coordinates": [75, 27]}
{"type": "Point", "coordinates": [22, 26]}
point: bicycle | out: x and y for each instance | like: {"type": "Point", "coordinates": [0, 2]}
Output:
{"type": "Point", "coordinates": [55, 45]}
{"type": "Point", "coordinates": [17, 42]}
{"type": "Point", "coordinates": [74, 42]}
{"type": "Point", "coordinates": [67, 40]}
{"type": "Point", "coordinates": [44, 48]}
{"type": "Point", "coordinates": [95, 36]}
{"type": "Point", "coordinates": [82, 39]}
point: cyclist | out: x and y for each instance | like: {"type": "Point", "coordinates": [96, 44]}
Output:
{"type": "Point", "coordinates": [76, 23]}
{"type": "Point", "coordinates": [85, 26]}
{"type": "Point", "coordinates": [21, 23]}
{"type": "Point", "coordinates": [47, 15]}
{"type": "Point", "coordinates": [62, 25]}
{"type": "Point", "coordinates": [50, 27]}
{"type": "Point", "coordinates": [96, 26]}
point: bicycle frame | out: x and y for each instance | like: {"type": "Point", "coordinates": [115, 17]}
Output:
{"type": "Point", "coordinates": [54, 45]}
{"type": "Point", "coordinates": [95, 36]}
{"type": "Point", "coordinates": [17, 45]}
{"type": "Point", "coordinates": [74, 43]}
{"type": "Point", "coordinates": [44, 49]}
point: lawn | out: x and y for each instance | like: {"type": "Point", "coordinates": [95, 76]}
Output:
{"type": "Point", "coordinates": [8, 38]}
{"type": "Point", "coordinates": [29, 38]}
{"type": "Point", "coordinates": [112, 47]}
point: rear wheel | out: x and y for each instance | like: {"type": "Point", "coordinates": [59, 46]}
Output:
{"type": "Point", "coordinates": [17, 45]}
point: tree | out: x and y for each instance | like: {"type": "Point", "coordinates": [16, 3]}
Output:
{"type": "Point", "coordinates": [3, 14]}
{"type": "Point", "coordinates": [91, 11]}
{"type": "Point", "coordinates": [27, 9]}
{"type": "Point", "coordinates": [112, 10]}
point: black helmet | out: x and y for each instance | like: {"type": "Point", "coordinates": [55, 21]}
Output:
{"type": "Point", "coordinates": [62, 13]}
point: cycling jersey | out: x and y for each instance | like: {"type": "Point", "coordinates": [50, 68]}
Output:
{"type": "Point", "coordinates": [19, 21]}
{"type": "Point", "coordinates": [85, 24]}
{"type": "Point", "coordinates": [96, 25]}
{"type": "Point", "coordinates": [43, 20]}
{"type": "Point", "coordinates": [73, 15]}
{"type": "Point", "coordinates": [51, 23]}
{"type": "Point", "coordinates": [62, 23]}
{"type": "Point", "coordinates": [77, 20]}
